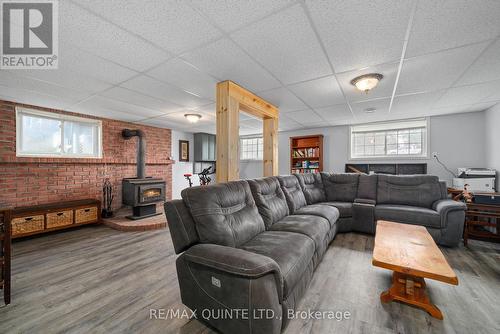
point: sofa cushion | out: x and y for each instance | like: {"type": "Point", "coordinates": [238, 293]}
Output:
{"type": "Point", "coordinates": [345, 208]}
{"type": "Point", "coordinates": [326, 211]}
{"type": "Point", "coordinates": [312, 186]}
{"type": "Point", "coordinates": [292, 252]}
{"type": "Point", "coordinates": [224, 213]}
{"type": "Point", "coordinates": [340, 187]}
{"type": "Point", "coordinates": [413, 190]}
{"type": "Point", "coordinates": [367, 187]}
{"type": "Point", "coordinates": [315, 227]}
{"type": "Point", "coordinates": [408, 214]}
{"type": "Point", "coordinates": [293, 192]}
{"type": "Point", "coordinates": [269, 199]}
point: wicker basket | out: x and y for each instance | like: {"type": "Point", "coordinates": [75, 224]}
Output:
{"type": "Point", "coordinates": [63, 218]}
{"type": "Point", "coordinates": [85, 215]}
{"type": "Point", "coordinates": [28, 224]}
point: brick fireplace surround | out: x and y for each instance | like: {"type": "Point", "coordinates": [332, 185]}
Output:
{"type": "Point", "coordinates": [32, 181]}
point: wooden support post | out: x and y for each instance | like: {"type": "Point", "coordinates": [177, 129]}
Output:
{"type": "Point", "coordinates": [270, 133]}
{"type": "Point", "coordinates": [232, 98]}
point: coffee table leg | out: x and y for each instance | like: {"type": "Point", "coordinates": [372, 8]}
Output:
{"type": "Point", "coordinates": [411, 290]}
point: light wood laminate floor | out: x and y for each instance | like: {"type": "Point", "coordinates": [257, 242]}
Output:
{"type": "Point", "coordinates": [98, 280]}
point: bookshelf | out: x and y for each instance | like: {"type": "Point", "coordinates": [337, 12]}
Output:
{"type": "Point", "coordinates": [306, 154]}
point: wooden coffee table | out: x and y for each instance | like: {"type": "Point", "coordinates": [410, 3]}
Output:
{"type": "Point", "coordinates": [412, 254]}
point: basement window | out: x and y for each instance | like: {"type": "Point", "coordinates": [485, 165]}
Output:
{"type": "Point", "coordinates": [46, 134]}
{"type": "Point", "coordinates": [251, 148]}
{"type": "Point", "coordinates": [400, 139]}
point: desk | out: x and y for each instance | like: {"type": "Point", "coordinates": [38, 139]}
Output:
{"type": "Point", "coordinates": [481, 215]}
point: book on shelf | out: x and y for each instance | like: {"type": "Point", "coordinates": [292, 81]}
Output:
{"type": "Point", "coordinates": [311, 152]}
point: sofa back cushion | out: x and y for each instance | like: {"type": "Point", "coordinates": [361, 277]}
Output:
{"type": "Point", "coordinates": [367, 186]}
{"type": "Point", "coordinates": [181, 225]}
{"type": "Point", "coordinates": [270, 199]}
{"type": "Point", "coordinates": [293, 192]}
{"type": "Point", "coordinates": [340, 187]}
{"type": "Point", "coordinates": [312, 186]}
{"type": "Point", "coordinates": [414, 190]}
{"type": "Point", "coordinates": [224, 213]}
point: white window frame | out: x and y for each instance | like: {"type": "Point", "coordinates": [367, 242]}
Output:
{"type": "Point", "coordinates": [386, 126]}
{"type": "Point", "coordinates": [61, 117]}
{"type": "Point", "coordinates": [241, 147]}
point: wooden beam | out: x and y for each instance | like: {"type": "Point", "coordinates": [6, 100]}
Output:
{"type": "Point", "coordinates": [227, 139]}
{"type": "Point", "coordinates": [251, 103]}
{"type": "Point", "coordinates": [270, 134]}
{"type": "Point", "coordinates": [232, 98]}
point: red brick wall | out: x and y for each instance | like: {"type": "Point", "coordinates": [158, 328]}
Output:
{"type": "Point", "coordinates": [31, 181]}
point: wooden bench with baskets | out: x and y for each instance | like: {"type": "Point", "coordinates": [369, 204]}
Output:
{"type": "Point", "coordinates": [50, 217]}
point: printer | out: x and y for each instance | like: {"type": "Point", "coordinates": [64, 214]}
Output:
{"type": "Point", "coordinates": [477, 179]}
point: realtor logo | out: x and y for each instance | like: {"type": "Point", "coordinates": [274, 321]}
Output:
{"type": "Point", "coordinates": [29, 34]}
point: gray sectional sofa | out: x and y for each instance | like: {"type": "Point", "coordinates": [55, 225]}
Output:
{"type": "Point", "coordinates": [253, 245]}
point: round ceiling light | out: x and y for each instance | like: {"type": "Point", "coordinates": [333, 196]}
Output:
{"type": "Point", "coordinates": [370, 110]}
{"type": "Point", "coordinates": [367, 82]}
{"type": "Point", "coordinates": [192, 118]}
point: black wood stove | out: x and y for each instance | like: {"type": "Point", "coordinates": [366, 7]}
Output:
{"type": "Point", "coordinates": [141, 192]}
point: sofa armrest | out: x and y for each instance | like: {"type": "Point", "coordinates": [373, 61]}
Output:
{"type": "Point", "coordinates": [235, 261]}
{"type": "Point", "coordinates": [446, 206]}
{"type": "Point", "coordinates": [365, 201]}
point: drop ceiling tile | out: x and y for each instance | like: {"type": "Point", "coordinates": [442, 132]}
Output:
{"type": "Point", "coordinates": [286, 45]}
{"type": "Point", "coordinates": [444, 24]}
{"type": "Point", "coordinates": [138, 99]}
{"type": "Point", "coordinates": [283, 99]}
{"type": "Point", "coordinates": [438, 70]}
{"type": "Point", "coordinates": [226, 61]}
{"type": "Point", "coordinates": [98, 111]}
{"type": "Point", "coordinates": [172, 25]}
{"type": "Point", "coordinates": [181, 74]}
{"type": "Point", "coordinates": [73, 59]}
{"type": "Point", "coordinates": [230, 15]}
{"type": "Point", "coordinates": [358, 33]}
{"type": "Point", "coordinates": [163, 91]}
{"type": "Point", "coordinates": [465, 95]}
{"type": "Point", "coordinates": [461, 109]}
{"type": "Point", "coordinates": [381, 105]}
{"type": "Point", "coordinates": [286, 124]}
{"type": "Point", "coordinates": [8, 93]}
{"type": "Point", "coordinates": [383, 89]}
{"type": "Point", "coordinates": [415, 104]}
{"type": "Point", "coordinates": [485, 68]}
{"type": "Point", "coordinates": [304, 117]}
{"type": "Point", "coordinates": [100, 102]}
{"type": "Point", "coordinates": [93, 34]}
{"type": "Point", "coordinates": [252, 123]}
{"type": "Point", "coordinates": [18, 81]}
{"type": "Point", "coordinates": [335, 112]}
{"type": "Point", "coordinates": [320, 92]}
{"type": "Point", "coordinates": [165, 123]}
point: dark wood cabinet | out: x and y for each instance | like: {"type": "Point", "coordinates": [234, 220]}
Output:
{"type": "Point", "coordinates": [204, 147]}
{"type": "Point", "coordinates": [5, 254]}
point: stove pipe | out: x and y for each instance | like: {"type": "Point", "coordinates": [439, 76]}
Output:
{"type": "Point", "coordinates": [141, 150]}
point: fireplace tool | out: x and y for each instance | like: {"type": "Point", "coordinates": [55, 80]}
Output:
{"type": "Point", "coordinates": [107, 194]}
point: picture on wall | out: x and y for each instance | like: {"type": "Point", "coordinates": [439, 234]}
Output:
{"type": "Point", "coordinates": [183, 150]}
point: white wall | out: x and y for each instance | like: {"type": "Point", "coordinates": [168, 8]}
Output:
{"type": "Point", "coordinates": [492, 140]}
{"type": "Point", "coordinates": [251, 169]}
{"type": "Point", "coordinates": [458, 138]}
{"type": "Point", "coordinates": [180, 168]}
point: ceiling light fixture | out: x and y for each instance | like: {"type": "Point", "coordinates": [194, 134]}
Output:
{"type": "Point", "coordinates": [192, 118]}
{"type": "Point", "coordinates": [367, 82]}
{"type": "Point", "coordinates": [370, 110]}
